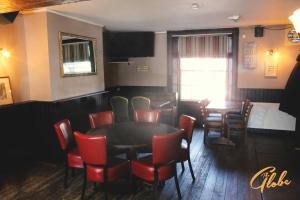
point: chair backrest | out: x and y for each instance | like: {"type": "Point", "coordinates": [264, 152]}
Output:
{"type": "Point", "coordinates": [247, 113]}
{"type": "Point", "coordinates": [245, 105]}
{"type": "Point", "coordinates": [149, 116]}
{"type": "Point", "coordinates": [203, 113]}
{"type": "Point", "coordinates": [64, 133]}
{"type": "Point", "coordinates": [92, 148]}
{"type": "Point", "coordinates": [187, 123]}
{"type": "Point", "coordinates": [120, 108]}
{"type": "Point", "coordinates": [140, 103]}
{"type": "Point", "coordinates": [166, 148]}
{"type": "Point", "coordinates": [101, 119]}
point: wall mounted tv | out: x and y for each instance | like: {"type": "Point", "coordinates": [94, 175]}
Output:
{"type": "Point", "coordinates": [124, 45]}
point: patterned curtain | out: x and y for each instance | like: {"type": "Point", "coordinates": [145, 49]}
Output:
{"type": "Point", "coordinates": [203, 46]}
{"type": "Point", "coordinates": [76, 52]}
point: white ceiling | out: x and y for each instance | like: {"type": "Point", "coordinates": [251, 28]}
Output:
{"type": "Point", "coordinates": [163, 15]}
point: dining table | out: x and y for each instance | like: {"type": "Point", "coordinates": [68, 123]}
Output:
{"type": "Point", "coordinates": [222, 107]}
{"type": "Point", "coordinates": [131, 136]}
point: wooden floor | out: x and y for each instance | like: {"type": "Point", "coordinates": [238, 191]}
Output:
{"type": "Point", "coordinates": [221, 173]}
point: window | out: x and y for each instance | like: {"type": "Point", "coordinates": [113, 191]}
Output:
{"type": "Point", "coordinates": [205, 67]}
{"type": "Point", "coordinates": [203, 78]}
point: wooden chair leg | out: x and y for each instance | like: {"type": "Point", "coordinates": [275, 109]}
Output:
{"type": "Point", "coordinates": [155, 185]}
{"type": "Point", "coordinates": [182, 166]}
{"type": "Point", "coordinates": [73, 172]}
{"type": "Point", "coordinates": [177, 184]}
{"type": "Point", "coordinates": [66, 175]}
{"type": "Point", "coordinates": [191, 168]}
{"type": "Point", "coordinates": [105, 190]}
{"type": "Point", "coordinates": [105, 184]}
{"type": "Point", "coordinates": [205, 136]}
{"type": "Point", "coordinates": [228, 132]}
{"type": "Point", "coordinates": [244, 138]}
{"type": "Point", "coordinates": [83, 186]}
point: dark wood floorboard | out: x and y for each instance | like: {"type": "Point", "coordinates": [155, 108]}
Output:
{"type": "Point", "coordinates": [222, 173]}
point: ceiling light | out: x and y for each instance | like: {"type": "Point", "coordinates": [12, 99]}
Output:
{"type": "Point", "coordinates": [295, 19]}
{"type": "Point", "coordinates": [234, 18]}
{"type": "Point", "coordinates": [195, 6]}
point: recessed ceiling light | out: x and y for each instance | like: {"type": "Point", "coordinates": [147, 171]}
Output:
{"type": "Point", "coordinates": [234, 18]}
{"type": "Point", "coordinates": [195, 6]}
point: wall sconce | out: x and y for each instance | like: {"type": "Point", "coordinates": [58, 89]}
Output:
{"type": "Point", "coordinates": [271, 63]}
{"type": "Point", "coordinates": [5, 53]}
{"type": "Point", "coordinates": [295, 19]}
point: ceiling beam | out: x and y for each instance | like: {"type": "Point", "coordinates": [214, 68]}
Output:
{"type": "Point", "coordinates": [20, 5]}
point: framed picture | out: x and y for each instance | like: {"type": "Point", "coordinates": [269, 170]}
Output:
{"type": "Point", "coordinates": [5, 91]}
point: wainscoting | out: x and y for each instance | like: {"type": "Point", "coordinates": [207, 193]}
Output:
{"type": "Point", "coordinates": [27, 128]}
{"type": "Point", "coordinates": [255, 95]}
{"type": "Point", "coordinates": [260, 95]}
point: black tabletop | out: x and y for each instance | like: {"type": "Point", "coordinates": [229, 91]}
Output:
{"type": "Point", "coordinates": [131, 134]}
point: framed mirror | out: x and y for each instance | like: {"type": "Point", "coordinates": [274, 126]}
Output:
{"type": "Point", "coordinates": [77, 55]}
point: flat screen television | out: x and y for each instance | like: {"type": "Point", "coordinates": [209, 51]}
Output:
{"type": "Point", "coordinates": [122, 45]}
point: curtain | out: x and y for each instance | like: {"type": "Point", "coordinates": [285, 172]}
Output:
{"type": "Point", "coordinates": [203, 46]}
{"type": "Point", "coordinates": [76, 52]}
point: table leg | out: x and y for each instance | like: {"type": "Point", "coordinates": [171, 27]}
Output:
{"type": "Point", "coordinates": [131, 154]}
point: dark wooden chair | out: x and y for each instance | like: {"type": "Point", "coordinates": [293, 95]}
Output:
{"type": "Point", "coordinates": [99, 168]}
{"type": "Point", "coordinates": [120, 108]}
{"type": "Point", "coordinates": [140, 103]}
{"type": "Point", "coordinates": [238, 126]}
{"type": "Point", "coordinates": [67, 143]}
{"type": "Point", "coordinates": [211, 122]}
{"type": "Point", "coordinates": [187, 123]}
{"type": "Point", "coordinates": [101, 119]}
{"type": "Point", "coordinates": [240, 114]}
{"type": "Point", "coordinates": [146, 116]}
{"type": "Point", "coordinates": [161, 166]}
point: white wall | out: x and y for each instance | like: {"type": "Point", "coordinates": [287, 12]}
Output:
{"type": "Point", "coordinates": [12, 38]}
{"type": "Point", "coordinates": [157, 74]}
{"type": "Point", "coordinates": [64, 87]}
{"type": "Point", "coordinates": [37, 56]}
{"type": "Point", "coordinates": [276, 40]}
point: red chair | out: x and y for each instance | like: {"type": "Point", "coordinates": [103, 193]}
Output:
{"type": "Point", "coordinates": [65, 136]}
{"type": "Point", "coordinates": [101, 119]}
{"type": "Point", "coordinates": [187, 123]}
{"type": "Point", "coordinates": [98, 167]}
{"type": "Point", "coordinates": [162, 164]}
{"type": "Point", "coordinates": [148, 116]}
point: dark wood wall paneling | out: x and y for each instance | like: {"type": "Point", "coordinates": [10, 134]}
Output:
{"type": "Point", "coordinates": [27, 128]}
{"type": "Point", "coordinates": [255, 95]}
{"type": "Point", "coordinates": [158, 93]}
{"type": "Point", "coordinates": [260, 95]}
{"type": "Point", "coordinates": [131, 91]}
{"type": "Point", "coordinates": [192, 107]}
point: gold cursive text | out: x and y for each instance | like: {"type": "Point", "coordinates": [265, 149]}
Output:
{"type": "Point", "coordinates": [268, 176]}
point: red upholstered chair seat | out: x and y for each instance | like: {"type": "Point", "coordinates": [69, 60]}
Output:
{"type": "Point", "coordinates": [99, 168]}
{"type": "Point", "coordinates": [117, 169]}
{"type": "Point", "coordinates": [144, 168]}
{"type": "Point", "coordinates": [101, 119]}
{"type": "Point", "coordinates": [74, 159]}
{"type": "Point", "coordinates": [65, 137]}
{"type": "Point", "coordinates": [147, 116]}
{"type": "Point", "coordinates": [162, 164]}
{"type": "Point", "coordinates": [186, 123]}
